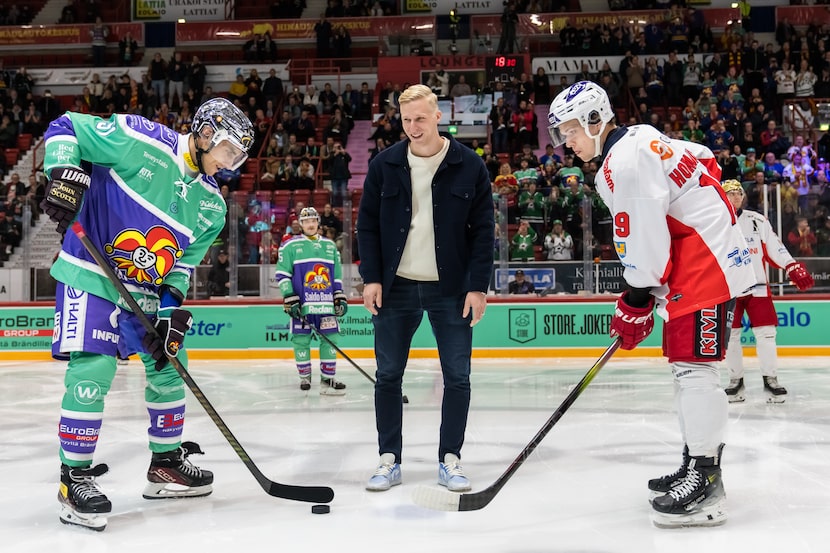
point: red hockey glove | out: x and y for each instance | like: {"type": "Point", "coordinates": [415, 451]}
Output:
{"type": "Point", "coordinates": [632, 324]}
{"type": "Point", "coordinates": [799, 276]}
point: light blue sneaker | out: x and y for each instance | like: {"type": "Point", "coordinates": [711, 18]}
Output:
{"type": "Point", "coordinates": [451, 475]}
{"type": "Point", "coordinates": [388, 474]}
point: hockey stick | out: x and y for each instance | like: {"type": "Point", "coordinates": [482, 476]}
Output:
{"type": "Point", "coordinates": [404, 399]}
{"type": "Point", "coordinates": [441, 500]}
{"type": "Point", "coordinates": [311, 494]}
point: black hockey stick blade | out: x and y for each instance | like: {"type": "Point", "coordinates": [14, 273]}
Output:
{"type": "Point", "coordinates": [310, 494]}
{"type": "Point", "coordinates": [442, 500]}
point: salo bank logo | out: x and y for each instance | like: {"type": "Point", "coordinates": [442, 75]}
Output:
{"type": "Point", "coordinates": [87, 392]}
{"type": "Point", "coordinates": [522, 325]}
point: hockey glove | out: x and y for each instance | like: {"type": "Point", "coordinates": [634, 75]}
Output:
{"type": "Point", "coordinates": [799, 276]}
{"type": "Point", "coordinates": [64, 194]}
{"type": "Point", "coordinates": [171, 325]}
{"type": "Point", "coordinates": [291, 305]}
{"type": "Point", "coordinates": [341, 304]}
{"type": "Point", "coordinates": [632, 324]}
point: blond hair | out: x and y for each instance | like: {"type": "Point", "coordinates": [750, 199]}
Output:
{"type": "Point", "coordinates": [418, 92]}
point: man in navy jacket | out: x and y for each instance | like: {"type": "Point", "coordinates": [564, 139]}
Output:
{"type": "Point", "coordinates": [425, 235]}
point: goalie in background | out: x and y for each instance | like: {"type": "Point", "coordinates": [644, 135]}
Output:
{"type": "Point", "coordinates": [309, 275]}
{"type": "Point", "coordinates": [766, 248]}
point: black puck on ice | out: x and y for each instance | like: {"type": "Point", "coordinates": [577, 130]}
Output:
{"type": "Point", "coordinates": [320, 509]}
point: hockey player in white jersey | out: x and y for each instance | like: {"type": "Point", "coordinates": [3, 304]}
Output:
{"type": "Point", "coordinates": [766, 249]}
{"type": "Point", "coordinates": [684, 256]}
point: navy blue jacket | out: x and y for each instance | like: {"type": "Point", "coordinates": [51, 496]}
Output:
{"type": "Point", "coordinates": [462, 211]}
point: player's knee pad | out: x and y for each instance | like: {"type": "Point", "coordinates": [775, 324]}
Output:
{"type": "Point", "coordinates": [327, 350]}
{"type": "Point", "coordinates": [88, 379]}
{"type": "Point", "coordinates": [696, 376]}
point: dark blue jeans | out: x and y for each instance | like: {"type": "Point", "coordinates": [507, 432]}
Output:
{"type": "Point", "coordinates": [395, 324]}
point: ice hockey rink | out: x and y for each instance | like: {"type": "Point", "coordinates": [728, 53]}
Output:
{"type": "Point", "coordinates": [582, 491]}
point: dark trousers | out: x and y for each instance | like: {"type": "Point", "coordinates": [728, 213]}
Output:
{"type": "Point", "coordinates": [395, 324]}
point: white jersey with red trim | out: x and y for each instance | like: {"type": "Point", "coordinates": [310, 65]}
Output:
{"type": "Point", "coordinates": [675, 232]}
{"type": "Point", "coordinates": [765, 248]}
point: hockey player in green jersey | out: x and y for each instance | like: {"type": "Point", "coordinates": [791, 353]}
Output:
{"type": "Point", "coordinates": [146, 198]}
{"type": "Point", "coordinates": [309, 275]}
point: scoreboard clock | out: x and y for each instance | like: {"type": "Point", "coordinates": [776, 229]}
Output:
{"type": "Point", "coordinates": [504, 67]}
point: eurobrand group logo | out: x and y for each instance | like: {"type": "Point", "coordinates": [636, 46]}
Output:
{"type": "Point", "coordinates": [522, 325]}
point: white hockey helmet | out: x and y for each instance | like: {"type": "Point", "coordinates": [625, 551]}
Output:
{"type": "Point", "coordinates": [584, 101]}
{"type": "Point", "coordinates": [229, 125]}
{"type": "Point", "coordinates": [308, 213]}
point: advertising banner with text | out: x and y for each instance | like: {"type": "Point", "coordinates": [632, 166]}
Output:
{"type": "Point", "coordinates": [64, 35]}
{"type": "Point", "coordinates": [508, 329]}
{"type": "Point", "coordinates": [299, 29]}
{"type": "Point", "coordinates": [173, 10]}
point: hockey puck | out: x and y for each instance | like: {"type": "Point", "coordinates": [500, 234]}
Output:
{"type": "Point", "coordinates": [320, 509]}
{"type": "Point", "coordinates": [405, 399]}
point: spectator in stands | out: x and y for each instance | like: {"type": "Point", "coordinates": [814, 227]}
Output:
{"type": "Point", "coordinates": [461, 88]}
{"type": "Point", "coordinates": [8, 132]}
{"type": "Point", "coordinates": [23, 83]}
{"type": "Point", "coordinates": [521, 245]}
{"type": "Point", "coordinates": [773, 140]}
{"type": "Point", "coordinates": [304, 127]}
{"type": "Point", "coordinates": [338, 127]}
{"type": "Point", "coordinates": [380, 145]}
{"type": "Point", "coordinates": [69, 14]}
{"type": "Point", "coordinates": [196, 75]}
{"type": "Point", "coordinates": [219, 282]}
{"type": "Point", "coordinates": [342, 43]}
{"type": "Point", "coordinates": [158, 76]}
{"type": "Point", "coordinates": [127, 50]}
{"type": "Point", "coordinates": [32, 121]}
{"type": "Point", "coordinates": [340, 174]}
{"type": "Point", "coordinates": [49, 107]}
{"type": "Point", "coordinates": [287, 173]}
{"type": "Point", "coordinates": [272, 87]}
{"type": "Point", "coordinates": [311, 150]}
{"type": "Point", "coordinates": [293, 147]}
{"type": "Point", "coordinates": [311, 100]}
{"type": "Point", "coordinates": [520, 285]}
{"type": "Point", "coordinates": [238, 89]}
{"type": "Point", "coordinates": [634, 75]}
{"type": "Point", "coordinates": [305, 175]}
{"type": "Point", "coordinates": [823, 238]}
{"type": "Point", "coordinates": [176, 73]}
{"type": "Point", "coordinates": [99, 33]}
{"type": "Point", "coordinates": [441, 87]}
{"type": "Point", "coordinates": [329, 219]}
{"type": "Point", "coordinates": [558, 243]}
{"type": "Point", "coordinates": [364, 103]}
{"type": "Point", "coordinates": [323, 30]}
{"type": "Point", "coordinates": [350, 98]}
{"type": "Point", "coordinates": [801, 239]}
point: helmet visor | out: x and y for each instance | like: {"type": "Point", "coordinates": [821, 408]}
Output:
{"type": "Point", "coordinates": [228, 155]}
{"type": "Point", "coordinates": [559, 136]}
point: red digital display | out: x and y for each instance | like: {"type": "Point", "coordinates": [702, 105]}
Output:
{"type": "Point", "coordinates": [504, 67]}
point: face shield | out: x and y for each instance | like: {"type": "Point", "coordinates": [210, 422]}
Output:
{"type": "Point", "coordinates": [227, 152]}
{"type": "Point", "coordinates": [559, 136]}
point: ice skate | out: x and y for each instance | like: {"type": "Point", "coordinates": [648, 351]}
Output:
{"type": "Point", "coordinates": [775, 392]}
{"type": "Point", "coordinates": [699, 500]}
{"type": "Point", "coordinates": [82, 501]}
{"type": "Point", "coordinates": [664, 484]}
{"type": "Point", "coordinates": [331, 387]}
{"type": "Point", "coordinates": [171, 474]}
{"type": "Point", "coordinates": [735, 392]}
{"type": "Point", "coordinates": [305, 383]}
{"type": "Point", "coordinates": [451, 475]}
{"type": "Point", "coordinates": [387, 474]}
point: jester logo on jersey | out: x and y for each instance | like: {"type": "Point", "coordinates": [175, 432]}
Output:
{"type": "Point", "coordinates": [318, 278]}
{"type": "Point", "coordinates": [145, 258]}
